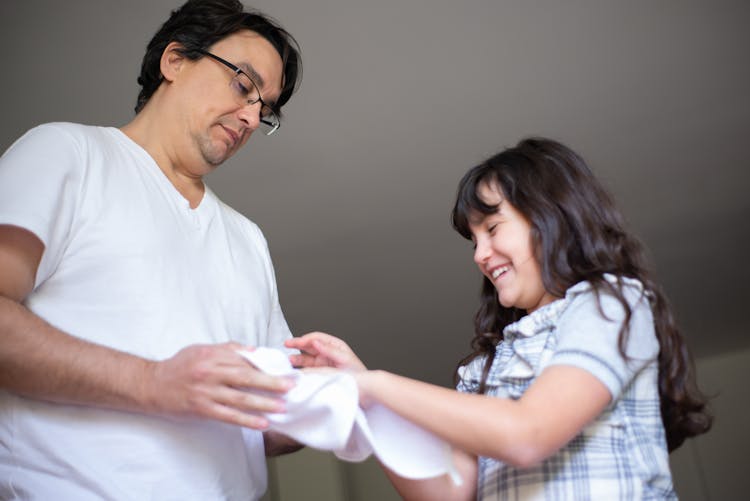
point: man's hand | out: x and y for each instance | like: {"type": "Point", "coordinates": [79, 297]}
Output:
{"type": "Point", "coordinates": [323, 350]}
{"type": "Point", "coordinates": [214, 382]}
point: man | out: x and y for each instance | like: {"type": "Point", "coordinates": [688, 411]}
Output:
{"type": "Point", "coordinates": [126, 286]}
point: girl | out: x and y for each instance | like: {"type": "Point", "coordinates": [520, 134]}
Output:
{"type": "Point", "coordinates": [579, 383]}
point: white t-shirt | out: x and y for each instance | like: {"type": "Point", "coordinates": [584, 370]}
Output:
{"type": "Point", "coordinates": [128, 264]}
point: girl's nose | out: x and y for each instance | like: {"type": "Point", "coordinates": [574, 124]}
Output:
{"type": "Point", "coordinates": [481, 251]}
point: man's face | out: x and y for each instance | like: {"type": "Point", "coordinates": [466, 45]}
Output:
{"type": "Point", "coordinates": [217, 120]}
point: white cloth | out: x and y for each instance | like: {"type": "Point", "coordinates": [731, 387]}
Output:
{"type": "Point", "coordinates": [127, 264]}
{"type": "Point", "coordinates": [322, 411]}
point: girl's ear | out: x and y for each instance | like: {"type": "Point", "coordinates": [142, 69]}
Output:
{"type": "Point", "coordinates": [172, 61]}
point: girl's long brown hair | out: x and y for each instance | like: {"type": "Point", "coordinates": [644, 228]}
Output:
{"type": "Point", "coordinates": [578, 235]}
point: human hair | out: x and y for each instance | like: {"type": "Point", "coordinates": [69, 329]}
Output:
{"type": "Point", "coordinates": [577, 234]}
{"type": "Point", "coordinates": [199, 24]}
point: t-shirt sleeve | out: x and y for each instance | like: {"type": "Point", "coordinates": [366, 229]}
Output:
{"type": "Point", "coordinates": [40, 178]}
{"type": "Point", "coordinates": [588, 339]}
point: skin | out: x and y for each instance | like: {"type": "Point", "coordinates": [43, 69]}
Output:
{"type": "Point", "coordinates": [502, 242]}
{"type": "Point", "coordinates": [193, 122]}
{"type": "Point", "coordinates": [191, 125]}
{"type": "Point", "coordinates": [523, 432]}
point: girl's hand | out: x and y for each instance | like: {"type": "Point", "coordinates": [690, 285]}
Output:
{"type": "Point", "coordinates": [323, 350]}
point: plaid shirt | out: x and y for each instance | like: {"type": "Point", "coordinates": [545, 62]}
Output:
{"type": "Point", "coordinates": [622, 455]}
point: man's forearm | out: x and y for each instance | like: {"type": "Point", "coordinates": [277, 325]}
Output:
{"type": "Point", "coordinates": [40, 361]}
{"type": "Point", "coordinates": [204, 381]}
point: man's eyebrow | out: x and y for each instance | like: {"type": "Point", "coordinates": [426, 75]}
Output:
{"type": "Point", "coordinates": [257, 79]}
{"type": "Point", "coordinates": [254, 75]}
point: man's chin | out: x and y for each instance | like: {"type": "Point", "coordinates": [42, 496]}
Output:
{"type": "Point", "coordinates": [218, 155]}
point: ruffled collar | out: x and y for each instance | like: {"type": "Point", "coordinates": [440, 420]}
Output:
{"type": "Point", "coordinates": [531, 339]}
{"type": "Point", "coordinates": [546, 317]}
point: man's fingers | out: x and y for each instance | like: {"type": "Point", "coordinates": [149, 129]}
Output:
{"type": "Point", "coordinates": [253, 379]}
{"type": "Point", "coordinates": [243, 408]}
{"type": "Point", "coordinates": [233, 416]}
{"type": "Point", "coordinates": [250, 401]}
{"type": "Point", "coordinates": [242, 374]}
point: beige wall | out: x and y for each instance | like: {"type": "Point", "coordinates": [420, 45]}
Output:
{"type": "Point", "coordinates": [714, 466]}
{"type": "Point", "coordinates": [709, 467]}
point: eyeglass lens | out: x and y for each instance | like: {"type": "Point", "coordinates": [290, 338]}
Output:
{"type": "Point", "coordinates": [248, 92]}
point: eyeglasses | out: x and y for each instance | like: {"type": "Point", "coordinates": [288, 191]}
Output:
{"type": "Point", "coordinates": [247, 93]}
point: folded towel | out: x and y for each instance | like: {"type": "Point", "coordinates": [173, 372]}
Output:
{"type": "Point", "coordinates": [323, 412]}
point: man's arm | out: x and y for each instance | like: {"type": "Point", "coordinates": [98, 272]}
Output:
{"type": "Point", "coordinates": [40, 361]}
{"type": "Point", "coordinates": [277, 444]}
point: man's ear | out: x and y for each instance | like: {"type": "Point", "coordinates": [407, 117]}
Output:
{"type": "Point", "coordinates": [171, 61]}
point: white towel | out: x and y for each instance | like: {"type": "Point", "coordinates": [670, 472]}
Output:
{"type": "Point", "coordinates": [322, 411]}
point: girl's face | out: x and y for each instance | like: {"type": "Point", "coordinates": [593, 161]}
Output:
{"type": "Point", "coordinates": [504, 254]}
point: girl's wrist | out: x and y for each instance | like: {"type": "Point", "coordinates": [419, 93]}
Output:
{"type": "Point", "coordinates": [366, 381]}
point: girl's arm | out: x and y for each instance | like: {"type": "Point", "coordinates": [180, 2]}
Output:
{"type": "Point", "coordinates": [440, 488]}
{"type": "Point", "coordinates": [522, 432]}
{"type": "Point", "coordinates": [319, 349]}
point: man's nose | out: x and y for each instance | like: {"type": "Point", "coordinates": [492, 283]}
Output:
{"type": "Point", "coordinates": [250, 115]}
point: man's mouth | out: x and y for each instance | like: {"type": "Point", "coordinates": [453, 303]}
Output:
{"type": "Point", "coordinates": [233, 136]}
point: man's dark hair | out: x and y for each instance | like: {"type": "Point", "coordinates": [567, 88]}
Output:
{"type": "Point", "coordinates": [199, 24]}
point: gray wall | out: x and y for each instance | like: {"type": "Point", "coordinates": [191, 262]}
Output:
{"type": "Point", "coordinates": [399, 98]}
